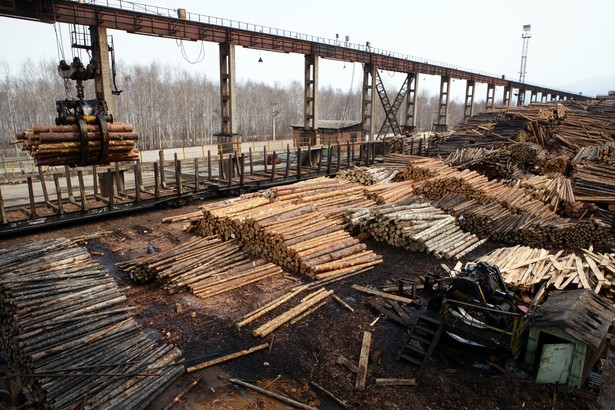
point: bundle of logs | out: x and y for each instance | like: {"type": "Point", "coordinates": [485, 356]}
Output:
{"type": "Point", "coordinates": [395, 192]}
{"type": "Point", "coordinates": [567, 124]}
{"type": "Point", "coordinates": [417, 227]}
{"type": "Point", "coordinates": [531, 222]}
{"type": "Point", "coordinates": [529, 269]}
{"type": "Point", "coordinates": [204, 266]}
{"type": "Point", "coordinates": [594, 183]}
{"type": "Point", "coordinates": [367, 176]}
{"type": "Point", "coordinates": [599, 154]}
{"type": "Point", "coordinates": [62, 144]}
{"type": "Point", "coordinates": [554, 190]}
{"type": "Point", "coordinates": [507, 162]}
{"type": "Point", "coordinates": [67, 330]}
{"type": "Point", "coordinates": [293, 235]}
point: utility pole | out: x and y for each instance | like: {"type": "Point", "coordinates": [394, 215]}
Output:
{"type": "Point", "coordinates": [526, 35]}
{"type": "Point", "coordinates": [274, 113]}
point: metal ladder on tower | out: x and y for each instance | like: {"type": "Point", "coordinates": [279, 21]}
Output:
{"type": "Point", "coordinates": [389, 110]}
{"type": "Point", "coordinates": [422, 339]}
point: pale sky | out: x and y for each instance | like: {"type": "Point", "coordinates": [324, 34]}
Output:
{"type": "Point", "coordinates": [572, 45]}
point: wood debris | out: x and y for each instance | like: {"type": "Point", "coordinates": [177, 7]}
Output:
{"type": "Point", "coordinates": [226, 358]}
{"type": "Point", "coordinates": [528, 268]}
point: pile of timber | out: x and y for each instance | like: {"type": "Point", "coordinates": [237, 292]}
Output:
{"type": "Point", "coordinates": [68, 332]}
{"type": "Point", "coordinates": [394, 192]}
{"type": "Point", "coordinates": [585, 124]}
{"type": "Point", "coordinates": [494, 221]}
{"type": "Point", "coordinates": [293, 235]}
{"type": "Point", "coordinates": [476, 186]}
{"type": "Point", "coordinates": [416, 168]}
{"type": "Point", "coordinates": [528, 268]}
{"type": "Point", "coordinates": [417, 227]}
{"type": "Point", "coordinates": [204, 266]}
{"type": "Point", "coordinates": [330, 196]}
{"type": "Point", "coordinates": [61, 144]}
{"type": "Point", "coordinates": [554, 190]}
{"type": "Point", "coordinates": [599, 154]}
{"type": "Point", "coordinates": [594, 183]}
{"type": "Point", "coordinates": [562, 125]}
{"type": "Point", "coordinates": [507, 162]}
{"type": "Point", "coordinates": [367, 175]}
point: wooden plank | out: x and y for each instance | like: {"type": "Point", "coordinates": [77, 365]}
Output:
{"type": "Point", "coordinates": [381, 294]}
{"type": "Point", "coordinates": [349, 365]}
{"type": "Point", "coordinates": [227, 357]}
{"type": "Point", "coordinates": [342, 303]}
{"type": "Point", "coordinates": [581, 273]}
{"type": "Point", "coordinates": [396, 382]}
{"type": "Point", "coordinates": [276, 396]}
{"type": "Point", "coordinates": [363, 361]}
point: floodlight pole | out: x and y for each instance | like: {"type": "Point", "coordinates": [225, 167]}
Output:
{"type": "Point", "coordinates": [526, 35]}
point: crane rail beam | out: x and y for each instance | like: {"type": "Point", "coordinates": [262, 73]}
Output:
{"type": "Point", "coordinates": [133, 21]}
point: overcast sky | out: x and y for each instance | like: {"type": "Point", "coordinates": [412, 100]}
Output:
{"type": "Point", "coordinates": [572, 45]}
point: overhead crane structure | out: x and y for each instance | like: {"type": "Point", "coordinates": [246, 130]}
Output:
{"type": "Point", "coordinates": [179, 24]}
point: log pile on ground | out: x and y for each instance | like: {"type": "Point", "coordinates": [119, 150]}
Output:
{"type": "Point", "coordinates": [67, 330]}
{"type": "Point", "coordinates": [204, 266]}
{"type": "Point", "coordinates": [527, 268]}
{"type": "Point", "coordinates": [367, 175]}
{"type": "Point", "coordinates": [598, 154]}
{"type": "Point", "coordinates": [61, 144]}
{"type": "Point", "coordinates": [554, 190]}
{"type": "Point", "coordinates": [530, 222]}
{"type": "Point", "coordinates": [418, 227]}
{"type": "Point", "coordinates": [293, 235]}
{"type": "Point", "coordinates": [594, 183]}
{"type": "Point", "coordinates": [394, 192]}
{"type": "Point", "coordinates": [568, 125]}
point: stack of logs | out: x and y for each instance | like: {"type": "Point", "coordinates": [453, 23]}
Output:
{"type": "Point", "coordinates": [67, 330]}
{"type": "Point", "coordinates": [293, 235]}
{"type": "Point", "coordinates": [594, 183]}
{"type": "Point", "coordinates": [417, 227]}
{"type": "Point", "coordinates": [554, 190]}
{"type": "Point", "coordinates": [367, 176]}
{"type": "Point", "coordinates": [599, 154]}
{"type": "Point", "coordinates": [205, 266]}
{"type": "Point", "coordinates": [531, 222]}
{"type": "Point", "coordinates": [528, 269]}
{"type": "Point", "coordinates": [61, 144]}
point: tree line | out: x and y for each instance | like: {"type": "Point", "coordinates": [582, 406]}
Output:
{"type": "Point", "coordinates": [172, 107]}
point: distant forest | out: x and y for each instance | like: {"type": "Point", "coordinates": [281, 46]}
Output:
{"type": "Point", "coordinates": [172, 107]}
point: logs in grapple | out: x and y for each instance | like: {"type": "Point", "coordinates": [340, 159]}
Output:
{"type": "Point", "coordinates": [66, 144]}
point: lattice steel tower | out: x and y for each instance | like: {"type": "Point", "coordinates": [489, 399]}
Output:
{"type": "Point", "coordinates": [526, 39]}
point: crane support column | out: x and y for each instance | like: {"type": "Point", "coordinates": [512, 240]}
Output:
{"type": "Point", "coordinates": [521, 97]}
{"type": "Point", "coordinates": [442, 115]}
{"type": "Point", "coordinates": [368, 109]}
{"type": "Point", "coordinates": [310, 118]}
{"type": "Point", "coordinates": [533, 96]}
{"type": "Point", "coordinates": [411, 102]}
{"type": "Point", "coordinates": [468, 110]}
{"type": "Point", "coordinates": [228, 99]}
{"type": "Point", "coordinates": [506, 97]}
{"type": "Point", "coordinates": [100, 52]}
{"type": "Point", "coordinates": [489, 102]}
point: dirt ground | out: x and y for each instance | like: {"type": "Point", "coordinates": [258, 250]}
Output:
{"type": "Point", "coordinates": [456, 377]}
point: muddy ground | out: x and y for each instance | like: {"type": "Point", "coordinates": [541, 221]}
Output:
{"type": "Point", "coordinates": [455, 378]}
